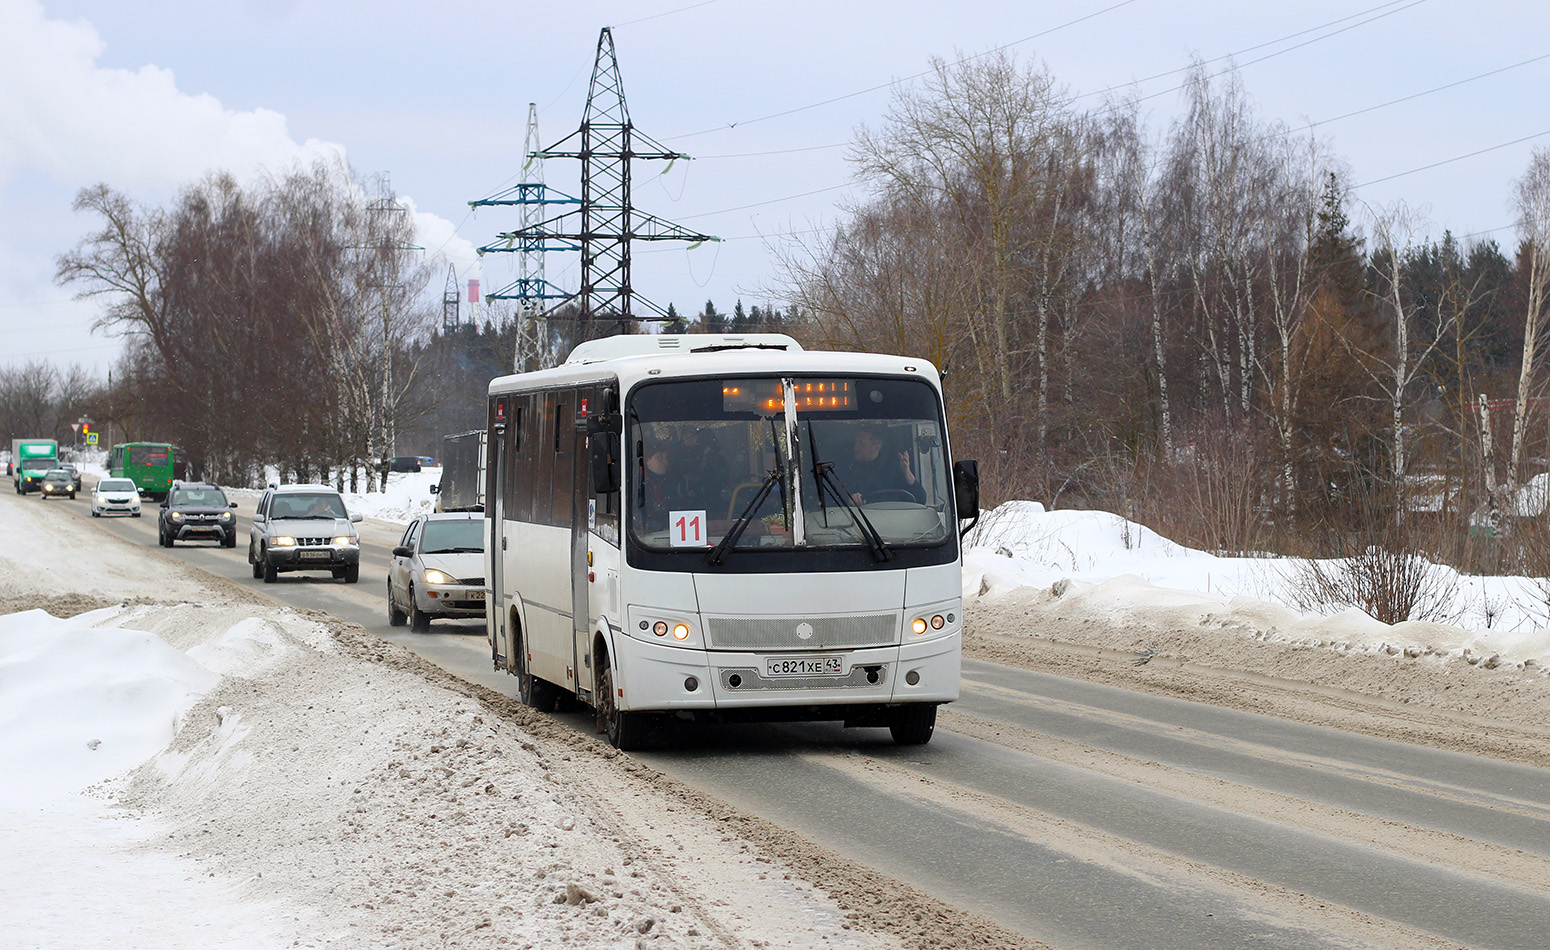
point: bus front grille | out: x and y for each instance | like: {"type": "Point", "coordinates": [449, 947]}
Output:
{"type": "Point", "coordinates": [801, 633]}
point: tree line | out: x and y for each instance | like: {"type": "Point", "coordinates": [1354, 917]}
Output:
{"type": "Point", "coordinates": [270, 324]}
{"type": "Point", "coordinates": [1200, 327]}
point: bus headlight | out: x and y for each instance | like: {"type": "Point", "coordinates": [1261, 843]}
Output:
{"type": "Point", "coordinates": [680, 631]}
{"type": "Point", "coordinates": [918, 625]}
{"type": "Point", "coordinates": [659, 628]}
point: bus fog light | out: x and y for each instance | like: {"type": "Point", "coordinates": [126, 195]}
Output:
{"type": "Point", "coordinates": [912, 677]}
{"type": "Point", "coordinates": [936, 622]}
{"type": "Point", "coordinates": [918, 625]}
{"type": "Point", "coordinates": [734, 681]}
{"type": "Point", "coordinates": [691, 684]}
{"type": "Point", "coordinates": [680, 631]}
{"type": "Point", "coordinates": [659, 628]}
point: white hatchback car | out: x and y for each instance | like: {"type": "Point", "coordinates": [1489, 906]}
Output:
{"type": "Point", "coordinates": [115, 496]}
{"type": "Point", "coordinates": [437, 570]}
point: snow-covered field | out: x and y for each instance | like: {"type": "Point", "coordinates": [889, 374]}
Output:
{"type": "Point", "coordinates": [186, 765]}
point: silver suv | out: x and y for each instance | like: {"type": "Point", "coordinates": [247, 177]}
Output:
{"type": "Point", "coordinates": [304, 528]}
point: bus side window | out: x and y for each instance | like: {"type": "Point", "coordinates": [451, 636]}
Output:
{"type": "Point", "coordinates": [540, 492]}
{"type": "Point", "coordinates": [563, 472]}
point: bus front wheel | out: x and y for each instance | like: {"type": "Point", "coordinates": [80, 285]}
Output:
{"type": "Point", "coordinates": [625, 730]}
{"type": "Point", "coordinates": [913, 724]}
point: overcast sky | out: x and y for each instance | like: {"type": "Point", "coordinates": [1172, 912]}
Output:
{"type": "Point", "coordinates": [148, 96]}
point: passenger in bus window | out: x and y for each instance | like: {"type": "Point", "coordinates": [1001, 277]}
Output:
{"type": "Point", "coordinates": [703, 472]}
{"type": "Point", "coordinates": [662, 490]}
{"type": "Point", "coordinates": [874, 476]}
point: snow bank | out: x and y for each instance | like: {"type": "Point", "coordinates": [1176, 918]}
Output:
{"type": "Point", "coordinates": [79, 704]}
{"type": "Point", "coordinates": [1111, 568]}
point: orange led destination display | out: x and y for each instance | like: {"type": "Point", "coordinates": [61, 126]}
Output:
{"type": "Point", "coordinates": [812, 395]}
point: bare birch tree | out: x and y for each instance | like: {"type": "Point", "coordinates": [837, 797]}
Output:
{"type": "Point", "coordinates": [1531, 197]}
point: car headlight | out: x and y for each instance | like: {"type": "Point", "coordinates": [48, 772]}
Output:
{"type": "Point", "coordinates": [283, 542]}
{"type": "Point", "coordinates": [344, 540]}
{"type": "Point", "coordinates": [434, 576]}
{"type": "Point", "coordinates": [175, 516]}
{"type": "Point", "coordinates": [225, 516]}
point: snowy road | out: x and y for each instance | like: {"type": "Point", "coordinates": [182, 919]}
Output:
{"type": "Point", "coordinates": [1081, 815]}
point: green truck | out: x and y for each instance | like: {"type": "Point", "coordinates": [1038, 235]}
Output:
{"type": "Point", "coordinates": [30, 461]}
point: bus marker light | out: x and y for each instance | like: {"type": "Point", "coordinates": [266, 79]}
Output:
{"type": "Point", "coordinates": [918, 625]}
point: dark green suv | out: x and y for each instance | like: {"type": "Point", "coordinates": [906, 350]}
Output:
{"type": "Point", "coordinates": [196, 511]}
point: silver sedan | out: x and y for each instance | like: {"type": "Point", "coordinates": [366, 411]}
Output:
{"type": "Point", "coordinates": [437, 570]}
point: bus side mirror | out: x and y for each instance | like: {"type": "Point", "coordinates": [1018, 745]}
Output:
{"type": "Point", "coordinates": [966, 489]}
{"type": "Point", "coordinates": [605, 464]}
{"type": "Point", "coordinates": [436, 489]}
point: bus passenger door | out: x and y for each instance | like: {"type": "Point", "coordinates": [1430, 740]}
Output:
{"type": "Point", "coordinates": [580, 536]}
{"type": "Point", "coordinates": [495, 611]}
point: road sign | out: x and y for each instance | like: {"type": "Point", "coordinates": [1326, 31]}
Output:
{"type": "Point", "coordinates": [91, 438]}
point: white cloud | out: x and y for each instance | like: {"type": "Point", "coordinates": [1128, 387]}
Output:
{"type": "Point", "coordinates": [64, 115]}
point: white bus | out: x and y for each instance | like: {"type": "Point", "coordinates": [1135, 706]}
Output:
{"type": "Point", "coordinates": [726, 528]}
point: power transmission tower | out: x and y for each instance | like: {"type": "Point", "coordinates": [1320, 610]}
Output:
{"type": "Point", "coordinates": [386, 252]}
{"type": "Point", "coordinates": [606, 223]}
{"type": "Point", "coordinates": [531, 290]}
{"type": "Point", "coordinates": [451, 304]}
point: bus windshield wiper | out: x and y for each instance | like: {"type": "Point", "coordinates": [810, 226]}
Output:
{"type": "Point", "coordinates": [827, 480]}
{"type": "Point", "coordinates": [729, 540]}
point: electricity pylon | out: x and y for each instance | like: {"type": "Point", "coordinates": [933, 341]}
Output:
{"type": "Point", "coordinates": [606, 223]}
{"type": "Point", "coordinates": [530, 243]}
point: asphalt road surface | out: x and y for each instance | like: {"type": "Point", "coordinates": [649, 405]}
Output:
{"type": "Point", "coordinates": [1087, 816]}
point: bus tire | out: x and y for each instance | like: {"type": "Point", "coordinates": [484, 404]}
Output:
{"type": "Point", "coordinates": [912, 724]}
{"type": "Point", "coordinates": [540, 694]}
{"type": "Point", "coordinates": [625, 730]}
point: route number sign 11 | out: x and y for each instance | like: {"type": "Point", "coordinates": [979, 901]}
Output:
{"type": "Point", "coordinates": [687, 528]}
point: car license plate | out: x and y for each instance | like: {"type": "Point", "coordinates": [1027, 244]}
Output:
{"type": "Point", "coordinates": [315, 555]}
{"type": "Point", "coordinates": [804, 666]}
{"type": "Point", "coordinates": [474, 595]}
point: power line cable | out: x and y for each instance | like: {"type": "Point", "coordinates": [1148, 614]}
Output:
{"type": "Point", "coordinates": [871, 89]}
{"type": "Point", "coordinates": [1449, 161]}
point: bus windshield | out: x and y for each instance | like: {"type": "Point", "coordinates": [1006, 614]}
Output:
{"type": "Point", "coordinates": [787, 462]}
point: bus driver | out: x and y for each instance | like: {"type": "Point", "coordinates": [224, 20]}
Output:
{"type": "Point", "coordinates": [871, 476]}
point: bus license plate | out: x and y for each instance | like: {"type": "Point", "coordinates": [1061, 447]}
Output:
{"type": "Point", "coordinates": [804, 666]}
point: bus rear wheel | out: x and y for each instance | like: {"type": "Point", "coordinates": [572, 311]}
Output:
{"type": "Point", "coordinates": [625, 730]}
{"type": "Point", "coordinates": [913, 724]}
{"type": "Point", "coordinates": [540, 694]}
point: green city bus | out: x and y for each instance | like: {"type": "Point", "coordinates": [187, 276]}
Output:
{"type": "Point", "coordinates": [147, 464]}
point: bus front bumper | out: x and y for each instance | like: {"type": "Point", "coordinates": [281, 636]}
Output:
{"type": "Point", "coordinates": [658, 677]}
